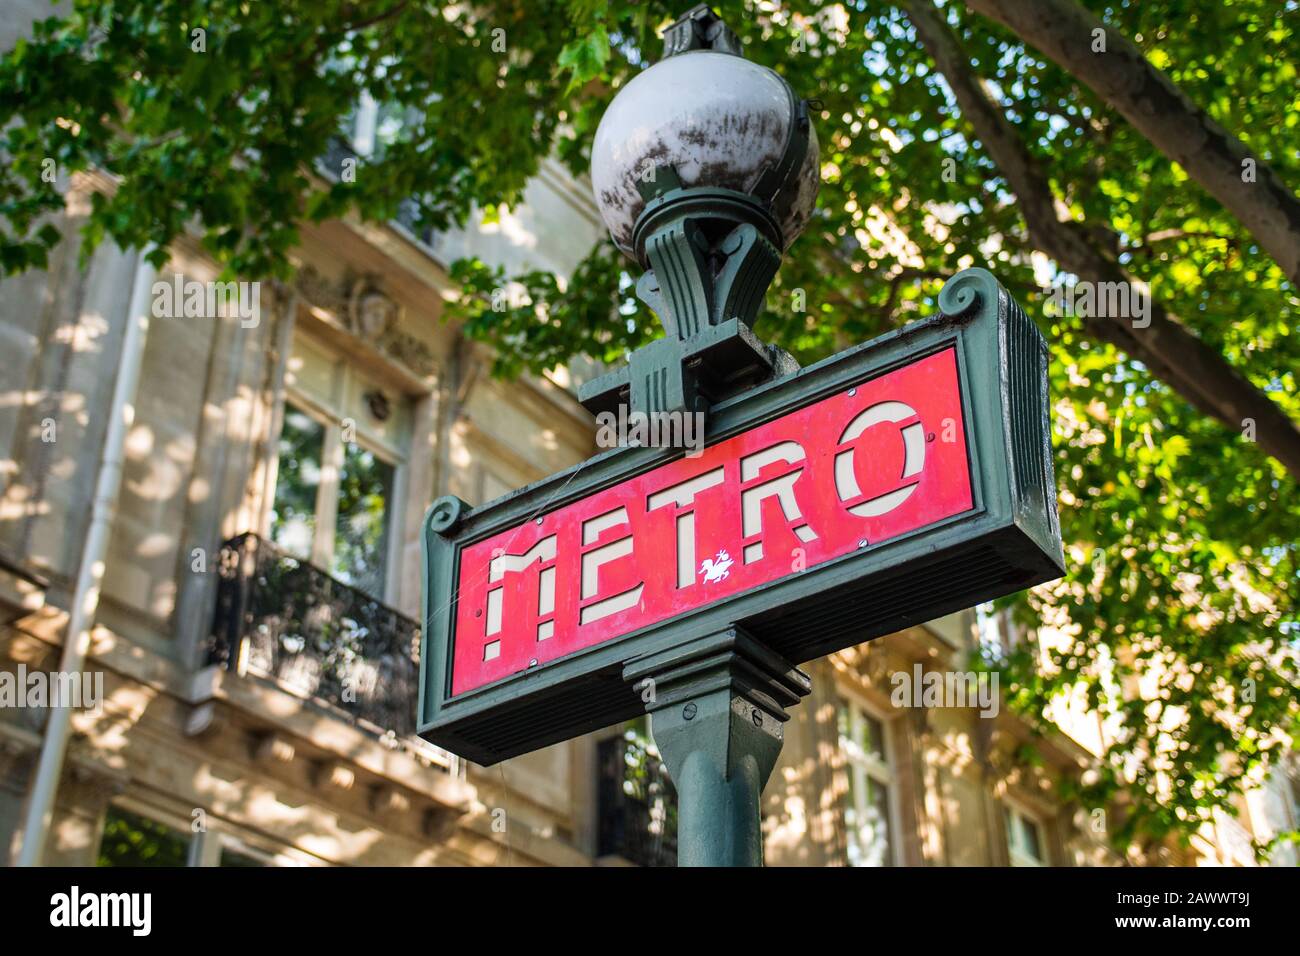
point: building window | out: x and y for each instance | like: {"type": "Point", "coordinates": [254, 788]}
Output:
{"type": "Point", "coordinates": [235, 854]}
{"type": "Point", "coordinates": [341, 451]}
{"type": "Point", "coordinates": [339, 523]}
{"type": "Point", "coordinates": [636, 803]}
{"type": "Point", "coordinates": [1024, 838]}
{"type": "Point", "coordinates": [368, 131]}
{"type": "Point", "coordinates": [297, 485]}
{"type": "Point", "coordinates": [132, 840]}
{"type": "Point", "coordinates": [998, 634]}
{"type": "Point", "coordinates": [868, 800]}
{"type": "Point", "coordinates": [361, 528]}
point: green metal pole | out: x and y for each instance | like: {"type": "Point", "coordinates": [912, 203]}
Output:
{"type": "Point", "coordinates": [717, 710]}
{"type": "Point", "coordinates": [720, 763]}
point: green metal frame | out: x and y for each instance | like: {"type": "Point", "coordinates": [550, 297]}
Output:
{"type": "Point", "coordinates": [1008, 541]}
{"type": "Point", "coordinates": [712, 254]}
{"type": "Point", "coordinates": [717, 716]}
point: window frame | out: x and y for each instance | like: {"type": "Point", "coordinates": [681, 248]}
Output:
{"type": "Point", "coordinates": [996, 631]}
{"type": "Point", "coordinates": [329, 412]}
{"type": "Point", "coordinates": [223, 840]}
{"type": "Point", "coordinates": [881, 769]}
{"type": "Point", "coordinates": [205, 846]}
{"type": "Point", "coordinates": [172, 820]}
{"type": "Point", "coordinates": [1012, 809]}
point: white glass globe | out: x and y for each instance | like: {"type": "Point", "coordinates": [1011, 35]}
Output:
{"type": "Point", "coordinates": [719, 119]}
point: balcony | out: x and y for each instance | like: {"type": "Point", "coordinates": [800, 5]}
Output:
{"type": "Point", "coordinates": [636, 802]}
{"type": "Point", "coordinates": [287, 621]}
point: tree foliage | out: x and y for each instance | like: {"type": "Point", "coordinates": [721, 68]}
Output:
{"type": "Point", "coordinates": [1181, 534]}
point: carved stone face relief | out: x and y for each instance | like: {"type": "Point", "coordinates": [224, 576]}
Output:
{"type": "Point", "coordinates": [371, 313]}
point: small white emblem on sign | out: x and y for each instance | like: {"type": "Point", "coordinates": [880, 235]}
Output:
{"type": "Point", "coordinates": [716, 569]}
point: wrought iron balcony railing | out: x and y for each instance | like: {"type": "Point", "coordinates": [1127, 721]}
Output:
{"type": "Point", "coordinates": [286, 620]}
{"type": "Point", "coordinates": [637, 804]}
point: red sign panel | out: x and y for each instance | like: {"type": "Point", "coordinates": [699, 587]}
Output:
{"type": "Point", "coordinates": [859, 467]}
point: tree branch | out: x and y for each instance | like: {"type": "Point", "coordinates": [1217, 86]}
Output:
{"type": "Point", "coordinates": [1167, 347]}
{"type": "Point", "coordinates": [1160, 111]}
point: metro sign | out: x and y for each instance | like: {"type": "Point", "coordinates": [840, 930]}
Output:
{"type": "Point", "coordinates": [862, 466]}
{"type": "Point", "coordinates": [891, 484]}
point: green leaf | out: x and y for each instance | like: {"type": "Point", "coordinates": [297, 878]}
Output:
{"type": "Point", "coordinates": [585, 58]}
